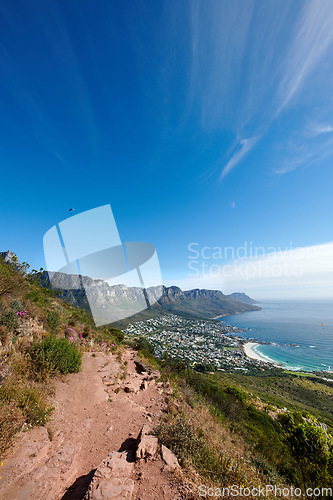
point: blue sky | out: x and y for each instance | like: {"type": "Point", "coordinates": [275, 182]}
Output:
{"type": "Point", "coordinates": [198, 121]}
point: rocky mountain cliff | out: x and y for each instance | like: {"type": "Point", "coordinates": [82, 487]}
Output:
{"type": "Point", "coordinates": [166, 300]}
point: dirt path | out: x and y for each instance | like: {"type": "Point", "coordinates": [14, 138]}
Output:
{"type": "Point", "coordinates": [90, 420]}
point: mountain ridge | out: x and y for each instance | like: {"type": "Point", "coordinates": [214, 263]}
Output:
{"type": "Point", "coordinates": [198, 303]}
{"type": "Point", "coordinates": [119, 304]}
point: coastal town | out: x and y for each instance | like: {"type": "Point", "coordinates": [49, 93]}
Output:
{"type": "Point", "coordinates": [200, 343]}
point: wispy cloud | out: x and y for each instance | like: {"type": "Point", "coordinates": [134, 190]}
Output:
{"type": "Point", "coordinates": [314, 37]}
{"type": "Point", "coordinates": [249, 66]}
{"type": "Point", "coordinates": [60, 158]}
{"type": "Point", "coordinates": [319, 129]}
{"type": "Point", "coordinates": [246, 146]}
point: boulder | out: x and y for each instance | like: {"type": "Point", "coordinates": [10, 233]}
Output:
{"type": "Point", "coordinates": [169, 458]}
{"type": "Point", "coordinates": [112, 479]}
{"type": "Point", "coordinates": [146, 445]}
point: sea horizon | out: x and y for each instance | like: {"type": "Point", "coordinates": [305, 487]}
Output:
{"type": "Point", "coordinates": [290, 333]}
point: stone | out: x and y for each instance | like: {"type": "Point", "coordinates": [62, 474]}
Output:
{"type": "Point", "coordinates": [155, 374]}
{"type": "Point", "coordinates": [133, 386]}
{"type": "Point", "coordinates": [147, 447]}
{"type": "Point", "coordinates": [112, 479]}
{"type": "Point", "coordinates": [145, 429]}
{"type": "Point", "coordinates": [113, 489]}
{"type": "Point", "coordinates": [169, 458]}
{"type": "Point", "coordinates": [144, 385]}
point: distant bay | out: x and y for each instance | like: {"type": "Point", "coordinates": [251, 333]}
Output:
{"type": "Point", "coordinates": [293, 332]}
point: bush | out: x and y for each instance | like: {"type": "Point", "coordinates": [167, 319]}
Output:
{"type": "Point", "coordinates": [11, 420]}
{"type": "Point", "coordinates": [10, 280]}
{"type": "Point", "coordinates": [31, 402]}
{"type": "Point", "coordinates": [142, 344]}
{"type": "Point", "coordinates": [53, 320]}
{"type": "Point", "coordinates": [180, 437]}
{"type": "Point", "coordinates": [54, 355]}
{"type": "Point", "coordinates": [37, 296]}
{"type": "Point", "coordinates": [16, 305]}
{"type": "Point", "coordinates": [9, 319]}
{"type": "Point", "coordinates": [117, 334]}
{"type": "Point", "coordinates": [190, 446]}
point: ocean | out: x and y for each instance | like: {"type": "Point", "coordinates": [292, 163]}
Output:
{"type": "Point", "coordinates": [281, 324]}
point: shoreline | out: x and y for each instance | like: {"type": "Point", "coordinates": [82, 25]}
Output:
{"type": "Point", "coordinates": [248, 348]}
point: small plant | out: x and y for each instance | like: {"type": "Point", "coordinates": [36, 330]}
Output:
{"type": "Point", "coordinates": [9, 319]}
{"type": "Point", "coordinates": [11, 420]}
{"type": "Point", "coordinates": [142, 344]}
{"type": "Point", "coordinates": [30, 400]}
{"type": "Point", "coordinates": [22, 314]}
{"type": "Point", "coordinates": [53, 320]}
{"type": "Point", "coordinates": [16, 305]}
{"type": "Point", "coordinates": [117, 334]}
{"type": "Point", "coordinates": [54, 355]}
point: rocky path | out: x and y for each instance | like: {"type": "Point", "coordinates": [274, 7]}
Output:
{"type": "Point", "coordinates": [89, 449]}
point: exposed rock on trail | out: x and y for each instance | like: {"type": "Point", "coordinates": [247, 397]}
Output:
{"type": "Point", "coordinates": [97, 418]}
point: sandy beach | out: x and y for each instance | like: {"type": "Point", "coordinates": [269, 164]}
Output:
{"type": "Point", "coordinates": [250, 353]}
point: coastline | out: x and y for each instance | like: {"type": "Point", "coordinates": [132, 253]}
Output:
{"type": "Point", "coordinates": [249, 347]}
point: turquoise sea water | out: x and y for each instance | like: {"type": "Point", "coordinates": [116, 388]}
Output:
{"type": "Point", "coordinates": [283, 323]}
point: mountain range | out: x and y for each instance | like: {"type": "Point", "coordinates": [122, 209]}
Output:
{"type": "Point", "coordinates": [113, 302]}
{"type": "Point", "coordinates": [123, 300]}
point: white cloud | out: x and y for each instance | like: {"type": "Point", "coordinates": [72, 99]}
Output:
{"type": "Point", "coordinates": [314, 37]}
{"type": "Point", "coordinates": [305, 272]}
{"type": "Point", "coordinates": [320, 128]}
{"type": "Point", "coordinates": [247, 145]}
{"type": "Point", "coordinates": [287, 67]}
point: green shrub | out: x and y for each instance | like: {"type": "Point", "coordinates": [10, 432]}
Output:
{"type": "Point", "coordinates": [180, 437]}
{"type": "Point", "coordinates": [53, 320]}
{"type": "Point", "coordinates": [142, 344]}
{"type": "Point", "coordinates": [16, 305]}
{"type": "Point", "coordinates": [237, 393]}
{"type": "Point", "coordinates": [54, 355]}
{"type": "Point", "coordinates": [312, 447]}
{"type": "Point", "coordinates": [117, 334]}
{"type": "Point", "coordinates": [190, 446]}
{"type": "Point", "coordinates": [9, 319]}
{"type": "Point", "coordinates": [30, 400]}
{"type": "Point", "coordinates": [37, 296]}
